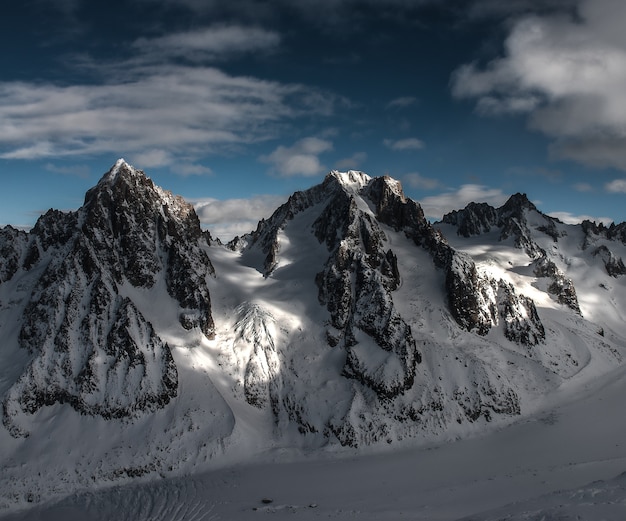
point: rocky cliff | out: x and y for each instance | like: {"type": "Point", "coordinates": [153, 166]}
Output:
{"type": "Point", "coordinates": [90, 345]}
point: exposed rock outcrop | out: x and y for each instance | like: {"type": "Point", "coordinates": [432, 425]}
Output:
{"type": "Point", "coordinates": [511, 219]}
{"type": "Point", "coordinates": [91, 346]}
{"type": "Point", "coordinates": [560, 286]}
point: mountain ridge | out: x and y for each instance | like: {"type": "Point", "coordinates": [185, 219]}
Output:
{"type": "Point", "coordinates": [345, 318]}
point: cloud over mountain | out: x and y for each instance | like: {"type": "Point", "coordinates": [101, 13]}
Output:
{"type": "Point", "coordinates": [567, 74]}
{"type": "Point", "coordinates": [300, 159]}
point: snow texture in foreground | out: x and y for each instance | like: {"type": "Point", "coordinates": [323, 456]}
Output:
{"type": "Point", "coordinates": [563, 463]}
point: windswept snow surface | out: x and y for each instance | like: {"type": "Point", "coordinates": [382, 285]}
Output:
{"type": "Point", "coordinates": [564, 463]}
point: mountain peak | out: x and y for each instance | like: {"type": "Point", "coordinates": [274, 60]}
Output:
{"type": "Point", "coordinates": [517, 202]}
{"type": "Point", "coordinates": [353, 180]}
{"type": "Point", "coordinates": [124, 183]}
{"type": "Point", "coordinates": [119, 169]}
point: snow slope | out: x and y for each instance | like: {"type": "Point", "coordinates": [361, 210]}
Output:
{"type": "Point", "coordinates": [369, 363]}
{"type": "Point", "coordinates": [564, 462]}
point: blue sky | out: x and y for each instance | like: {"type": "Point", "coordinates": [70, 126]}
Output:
{"type": "Point", "coordinates": [235, 105]}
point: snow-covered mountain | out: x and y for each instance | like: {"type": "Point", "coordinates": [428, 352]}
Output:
{"type": "Point", "coordinates": [133, 346]}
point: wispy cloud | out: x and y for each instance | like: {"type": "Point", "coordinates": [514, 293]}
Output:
{"type": "Point", "coordinates": [228, 218]}
{"type": "Point", "coordinates": [568, 74]}
{"type": "Point", "coordinates": [189, 169]}
{"type": "Point", "coordinates": [353, 162]}
{"type": "Point", "coordinates": [417, 180]}
{"type": "Point", "coordinates": [163, 104]}
{"type": "Point", "coordinates": [301, 159]}
{"type": "Point", "coordinates": [153, 113]}
{"type": "Point", "coordinates": [152, 158]}
{"type": "Point", "coordinates": [209, 43]}
{"type": "Point", "coordinates": [570, 218]}
{"type": "Point", "coordinates": [582, 187]}
{"type": "Point", "coordinates": [402, 102]}
{"type": "Point", "coordinates": [437, 205]}
{"type": "Point", "coordinates": [411, 143]}
{"type": "Point", "coordinates": [81, 171]}
{"type": "Point", "coordinates": [616, 186]}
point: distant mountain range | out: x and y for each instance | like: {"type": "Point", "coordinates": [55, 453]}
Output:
{"type": "Point", "coordinates": [133, 345]}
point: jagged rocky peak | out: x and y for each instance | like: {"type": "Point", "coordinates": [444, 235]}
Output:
{"type": "Point", "coordinates": [91, 346]}
{"type": "Point", "coordinates": [594, 231]}
{"type": "Point", "coordinates": [478, 218]}
{"type": "Point", "coordinates": [12, 245]}
{"type": "Point", "coordinates": [353, 206]}
{"type": "Point", "coordinates": [475, 219]}
{"type": "Point", "coordinates": [516, 205]}
{"type": "Point", "coordinates": [393, 208]}
{"type": "Point", "coordinates": [121, 170]}
{"type": "Point", "coordinates": [514, 219]}
{"type": "Point", "coordinates": [143, 231]}
{"type": "Point", "coordinates": [352, 180]}
{"type": "Point", "coordinates": [124, 186]}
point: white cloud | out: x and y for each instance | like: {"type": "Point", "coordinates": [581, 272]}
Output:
{"type": "Point", "coordinates": [152, 158]}
{"type": "Point", "coordinates": [583, 187]}
{"type": "Point", "coordinates": [437, 205]}
{"type": "Point", "coordinates": [228, 218]}
{"type": "Point", "coordinates": [301, 159]}
{"type": "Point", "coordinates": [416, 180]}
{"type": "Point", "coordinates": [616, 186]}
{"type": "Point", "coordinates": [215, 42]}
{"type": "Point", "coordinates": [493, 106]}
{"type": "Point", "coordinates": [570, 218]}
{"type": "Point", "coordinates": [568, 74]}
{"type": "Point", "coordinates": [351, 163]}
{"type": "Point", "coordinates": [82, 171]}
{"type": "Point", "coordinates": [404, 144]}
{"type": "Point", "coordinates": [596, 151]}
{"type": "Point", "coordinates": [154, 113]}
{"type": "Point", "coordinates": [189, 169]}
{"type": "Point", "coordinates": [402, 102]}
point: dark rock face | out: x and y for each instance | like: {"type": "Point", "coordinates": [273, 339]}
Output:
{"type": "Point", "coordinates": [467, 300]}
{"type": "Point", "coordinates": [614, 265]}
{"type": "Point", "coordinates": [13, 243]}
{"type": "Point", "coordinates": [593, 233]}
{"type": "Point", "coordinates": [468, 296]}
{"type": "Point", "coordinates": [141, 230]}
{"type": "Point", "coordinates": [510, 219]}
{"type": "Point", "coordinates": [91, 346]}
{"type": "Point", "coordinates": [617, 232]}
{"type": "Point", "coordinates": [355, 286]}
{"type": "Point", "coordinates": [560, 286]}
{"type": "Point", "coordinates": [475, 219]}
{"type": "Point", "coordinates": [613, 232]}
{"type": "Point", "coordinates": [519, 315]}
